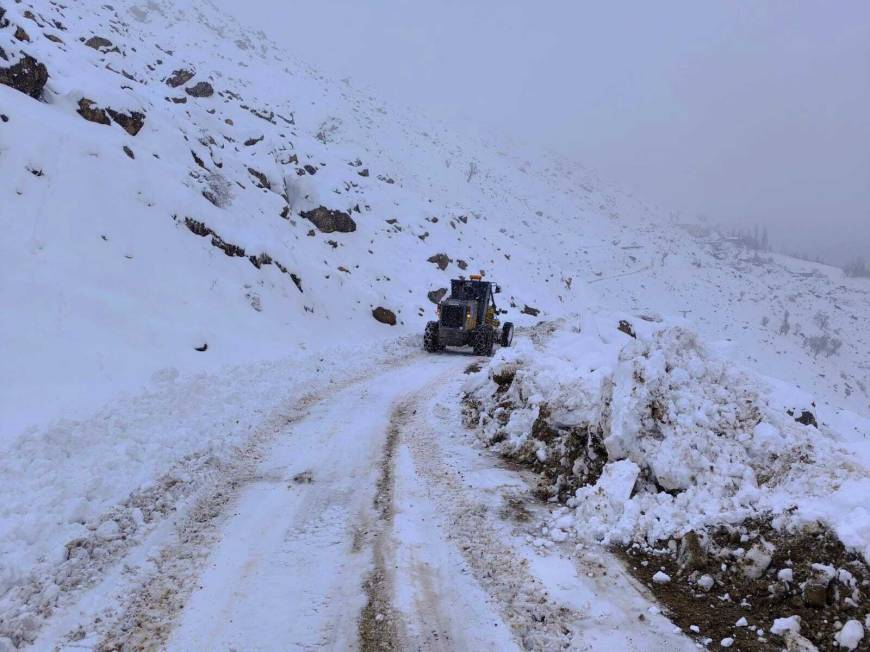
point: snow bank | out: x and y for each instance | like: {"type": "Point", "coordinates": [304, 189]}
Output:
{"type": "Point", "coordinates": [682, 437]}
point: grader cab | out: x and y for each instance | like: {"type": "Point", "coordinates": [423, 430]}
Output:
{"type": "Point", "coordinates": [469, 317]}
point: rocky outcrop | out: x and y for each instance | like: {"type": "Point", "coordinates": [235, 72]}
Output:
{"type": "Point", "coordinates": [262, 179]}
{"type": "Point", "coordinates": [101, 44]}
{"type": "Point", "coordinates": [626, 328]}
{"type": "Point", "coordinates": [233, 250]}
{"type": "Point", "coordinates": [807, 418]}
{"type": "Point", "coordinates": [441, 260]}
{"type": "Point", "coordinates": [328, 221]}
{"type": "Point", "coordinates": [131, 122]}
{"type": "Point", "coordinates": [200, 89]}
{"type": "Point", "coordinates": [528, 310]}
{"type": "Point", "coordinates": [92, 113]}
{"type": "Point", "coordinates": [180, 77]}
{"type": "Point", "coordinates": [384, 316]}
{"type": "Point", "coordinates": [27, 76]}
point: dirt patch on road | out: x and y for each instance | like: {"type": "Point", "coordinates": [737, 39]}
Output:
{"type": "Point", "coordinates": [378, 623]}
{"type": "Point", "coordinates": [753, 574]}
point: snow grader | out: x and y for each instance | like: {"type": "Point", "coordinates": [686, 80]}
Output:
{"type": "Point", "coordinates": [468, 317]}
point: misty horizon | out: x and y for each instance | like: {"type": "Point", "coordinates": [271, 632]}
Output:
{"type": "Point", "coordinates": [747, 115]}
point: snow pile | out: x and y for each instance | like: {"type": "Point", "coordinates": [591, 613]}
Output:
{"type": "Point", "coordinates": [682, 439]}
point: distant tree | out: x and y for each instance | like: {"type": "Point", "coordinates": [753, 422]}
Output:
{"type": "Point", "coordinates": [472, 170]}
{"type": "Point", "coordinates": [857, 268]}
{"type": "Point", "coordinates": [785, 326]}
{"type": "Point", "coordinates": [755, 238]}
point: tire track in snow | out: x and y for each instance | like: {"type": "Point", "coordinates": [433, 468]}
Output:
{"type": "Point", "coordinates": [536, 620]}
{"type": "Point", "coordinates": [378, 623]}
{"type": "Point", "coordinates": [146, 618]}
{"type": "Point", "coordinates": [149, 615]}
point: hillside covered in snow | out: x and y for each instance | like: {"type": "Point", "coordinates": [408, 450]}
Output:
{"type": "Point", "coordinates": [197, 226]}
{"type": "Point", "coordinates": [155, 193]}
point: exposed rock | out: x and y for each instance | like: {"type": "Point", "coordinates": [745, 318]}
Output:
{"type": "Point", "coordinates": [200, 89]}
{"type": "Point", "coordinates": [626, 328]}
{"type": "Point", "coordinates": [198, 160]}
{"type": "Point", "coordinates": [528, 310]}
{"type": "Point", "coordinates": [196, 227]}
{"type": "Point", "coordinates": [328, 221]}
{"type": "Point", "coordinates": [384, 316]}
{"type": "Point", "coordinates": [692, 556]}
{"type": "Point", "coordinates": [807, 418]}
{"type": "Point", "coordinates": [435, 296]}
{"type": "Point", "coordinates": [259, 261]}
{"type": "Point", "coordinates": [92, 113]}
{"type": "Point", "coordinates": [28, 76]}
{"type": "Point", "coordinates": [99, 43]}
{"type": "Point", "coordinates": [21, 35]}
{"type": "Point", "coordinates": [818, 589]}
{"type": "Point", "coordinates": [54, 39]}
{"type": "Point", "coordinates": [228, 248]}
{"type": "Point", "coordinates": [815, 594]}
{"type": "Point", "coordinates": [504, 375]}
{"type": "Point", "coordinates": [129, 152]}
{"type": "Point", "coordinates": [264, 115]}
{"type": "Point", "coordinates": [364, 172]}
{"type": "Point", "coordinates": [461, 264]}
{"type": "Point", "coordinates": [202, 348]}
{"type": "Point", "coordinates": [132, 122]}
{"type": "Point", "coordinates": [180, 77]}
{"type": "Point", "coordinates": [253, 141]}
{"type": "Point", "coordinates": [441, 260]}
{"type": "Point", "coordinates": [262, 179]}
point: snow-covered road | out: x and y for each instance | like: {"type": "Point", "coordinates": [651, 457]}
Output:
{"type": "Point", "coordinates": [370, 521]}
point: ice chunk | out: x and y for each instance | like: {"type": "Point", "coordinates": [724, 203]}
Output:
{"type": "Point", "coordinates": [782, 625]}
{"type": "Point", "coordinates": [617, 480]}
{"type": "Point", "coordinates": [851, 635]}
{"type": "Point", "coordinates": [108, 530]}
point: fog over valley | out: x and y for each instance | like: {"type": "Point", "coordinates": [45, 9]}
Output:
{"type": "Point", "coordinates": [747, 113]}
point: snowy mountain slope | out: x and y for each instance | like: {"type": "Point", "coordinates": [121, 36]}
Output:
{"type": "Point", "coordinates": [126, 288]}
{"type": "Point", "coordinates": [176, 221]}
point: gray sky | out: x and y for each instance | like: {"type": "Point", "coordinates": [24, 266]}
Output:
{"type": "Point", "coordinates": [752, 112]}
